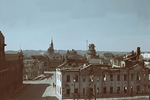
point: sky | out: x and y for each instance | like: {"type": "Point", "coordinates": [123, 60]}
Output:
{"type": "Point", "coordinates": [112, 25]}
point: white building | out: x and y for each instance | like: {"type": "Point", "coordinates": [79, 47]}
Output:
{"type": "Point", "coordinates": [78, 80]}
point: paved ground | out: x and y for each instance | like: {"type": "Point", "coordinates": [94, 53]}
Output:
{"type": "Point", "coordinates": [40, 89]}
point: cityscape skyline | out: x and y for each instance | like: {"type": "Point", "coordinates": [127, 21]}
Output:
{"type": "Point", "coordinates": [110, 25]}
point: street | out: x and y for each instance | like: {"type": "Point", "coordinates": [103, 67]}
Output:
{"type": "Point", "coordinates": [39, 89]}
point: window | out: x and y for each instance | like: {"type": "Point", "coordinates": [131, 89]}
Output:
{"type": "Point", "coordinates": [91, 90]}
{"type": "Point", "coordinates": [138, 77]}
{"type": "Point", "coordinates": [104, 90]}
{"type": "Point", "coordinates": [111, 77]}
{"type": "Point", "coordinates": [104, 77]}
{"type": "Point", "coordinates": [118, 90]}
{"type": "Point", "coordinates": [83, 91]}
{"type": "Point", "coordinates": [138, 89]}
{"type": "Point", "coordinates": [76, 78]}
{"type": "Point", "coordinates": [68, 91]}
{"type": "Point", "coordinates": [68, 78]}
{"type": "Point", "coordinates": [111, 90]}
{"type": "Point", "coordinates": [125, 89]}
{"type": "Point", "coordinates": [118, 77]}
{"type": "Point", "coordinates": [76, 90]}
{"type": "Point", "coordinates": [125, 77]}
{"type": "Point", "coordinates": [91, 77]}
{"type": "Point", "coordinates": [97, 90]}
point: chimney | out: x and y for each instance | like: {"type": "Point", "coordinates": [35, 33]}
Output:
{"type": "Point", "coordinates": [132, 52]}
{"type": "Point", "coordinates": [138, 52]}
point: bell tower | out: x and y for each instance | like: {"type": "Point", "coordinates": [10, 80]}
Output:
{"type": "Point", "coordinates": [91, 53]}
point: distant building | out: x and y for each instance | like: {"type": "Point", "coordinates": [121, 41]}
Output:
{"type": "Point", "coordinates": [55, 59]}
{"type": "Point", "coordinates": [91, 53]}
{"type": "Point", "coordinates": [11, 70]}
{"type": "Point", "coordinates": [128, 59]}
{"type": "Point", "coordinates": [72, 54]}
{"type": "Point", "coordinates": [32, 68]}
{"type": "Point", "coordinates": [108, 55]}
{"type": "Point", "coordinates": [94, 59]}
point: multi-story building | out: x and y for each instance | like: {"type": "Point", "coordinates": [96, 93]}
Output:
{"type": "Point", "coordinates": [79, 79]}
{"type": "Point", "coordinates": [11, 70]}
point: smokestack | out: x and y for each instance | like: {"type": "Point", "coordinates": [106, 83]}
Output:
{"type": "Point", "coordinates": [132, 52]}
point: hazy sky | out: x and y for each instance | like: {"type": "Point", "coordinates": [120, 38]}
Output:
{"type": "Point", "coordinates": [112, 25]}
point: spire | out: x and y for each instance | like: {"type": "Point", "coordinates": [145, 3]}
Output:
{"type": "Point", "coordinates": [51, 48]}
{"type": "Point", "coordinates": [51, 39]}
{"type": "Point", "coordinates": [52, 43]}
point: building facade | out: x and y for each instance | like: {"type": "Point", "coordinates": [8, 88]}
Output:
{"type": "Point", "coordinates": [81, 79]}
{"type": "Point", "coordinates": [11, 70]}
{"type": "Point", "coordinates": [90, 81]}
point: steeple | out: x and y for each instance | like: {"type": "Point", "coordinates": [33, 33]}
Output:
{"type": "Point", "coordinates": [52, 43]}
{"type": "Point", "coordinates": [51, 48]}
